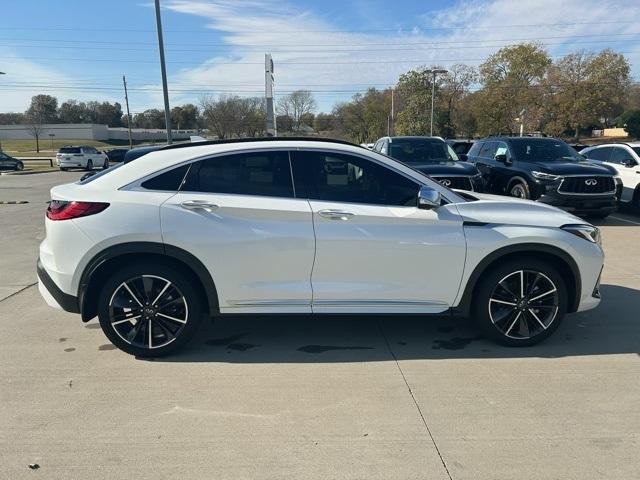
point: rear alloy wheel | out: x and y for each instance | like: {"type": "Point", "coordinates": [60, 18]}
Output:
{"type": "Point", "coordinates": [520, 303]}
{"type": "Point", "coordinates": [149, 310]}
{"type": "Point", "coordinates": [519, 190]}
{"type": "Point", "coordinates": [89, 165]}
{"type": "Point", "coordinates": [19, 166]}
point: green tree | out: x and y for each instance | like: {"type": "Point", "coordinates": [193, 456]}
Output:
{"type": "Point", "coordinates": [185, 116]}
{"type": "Point", "coordinates": [630, 121]}
{"type": "Point", "coordinates": [511, 82]}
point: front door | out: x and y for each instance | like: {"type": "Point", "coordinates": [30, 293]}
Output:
{"type": "Point", "coordinates": [375, 250]}
{"type": "Point", "coordinates": [237, 214]}
{"type": "Point", "coordinates": [627, 166]}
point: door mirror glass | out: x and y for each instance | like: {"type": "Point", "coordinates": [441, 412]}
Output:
{"type": "Point", "coordinates": [463, 157]}
{"type": "Point", "coordinates": [630, 162]}
{"type": "Point", "coordinates": [429, 198]}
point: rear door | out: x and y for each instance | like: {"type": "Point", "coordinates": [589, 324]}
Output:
{"type": "Point", "coordinates": [375, 250]}
{"type": "Point", "coordinates": [484, 162]}
{"type": "Point", "coordinates": [237, 213]}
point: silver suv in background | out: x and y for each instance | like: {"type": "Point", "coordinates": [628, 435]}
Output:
{"type": "Point", "coordinates": [82, 156]}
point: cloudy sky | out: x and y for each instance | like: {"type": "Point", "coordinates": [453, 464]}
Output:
{"type": "Point", "coordinates": [335, 48]}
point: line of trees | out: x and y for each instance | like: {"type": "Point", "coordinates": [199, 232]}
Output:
{"type": "Point", "coordinates": [519, 84]}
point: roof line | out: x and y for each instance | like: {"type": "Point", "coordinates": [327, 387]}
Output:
{"type": "Point", "coordinates": [259, 139]}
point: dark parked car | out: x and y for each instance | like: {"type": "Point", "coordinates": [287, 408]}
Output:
{"type": "Point", "coordinates": [10, 163]}
{"type": "Point", "coordinates": [547, 170]}
{"type": "Point", "coordinates": [432, 155]}
{"type": "Point", "coordinates": [140, 151]}
{"type": "Point", "coordinates": [117, 154]}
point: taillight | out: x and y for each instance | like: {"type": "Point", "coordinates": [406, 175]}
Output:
{"type": "Point", "coordinates": [61, 210]}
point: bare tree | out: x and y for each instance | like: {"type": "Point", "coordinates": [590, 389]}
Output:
{"type": "Point", "coordinates": [230, 116]}
{"type": "Point", "coordinates": [35, 129]}
{"type": "Point", "coordinates": [296, 105]}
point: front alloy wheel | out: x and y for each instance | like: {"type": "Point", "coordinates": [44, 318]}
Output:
{"type": "Point", "coordinates": [149, 310]}
{"type": "Point", "coordinates": [519, 190]}
{"type": "Point", "coordinates": [520, 302]}
{"type": "Point", "coordinates": [523, 304]}
{"type": "Point", "coordinates": [19, 166]}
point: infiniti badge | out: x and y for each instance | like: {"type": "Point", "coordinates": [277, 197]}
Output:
{"type": "Point", "coordinates": [591, 181]}
{"type": "Point", "coordinates": [446, 182]}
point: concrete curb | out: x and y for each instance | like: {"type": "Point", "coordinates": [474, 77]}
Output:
{"type": "Point", "coordinates": [30, 172]}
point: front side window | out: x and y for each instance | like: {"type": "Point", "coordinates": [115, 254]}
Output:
{"type": "Point", "coordinates": [337, 177]}
{"type": "Point", "coordinates": [255, 173]}
{"type": "Point", "coordinates": [488, 150]}
{"type": "Point", "coordinates": [620, 156]}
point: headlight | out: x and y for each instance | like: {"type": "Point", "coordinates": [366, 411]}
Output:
{"type": "Point", "coordinates": [588, 232]}
{"type": "Point", "coordinates": [545, 176]}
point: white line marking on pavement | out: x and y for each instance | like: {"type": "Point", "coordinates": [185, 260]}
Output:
{"type": "Point", "coordinates": [623, 220]}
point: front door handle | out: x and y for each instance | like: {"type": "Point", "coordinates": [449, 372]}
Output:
{"type": "Point", "coordinates": [336, 214]}
{"type": "Point", "coordinates": [199, 204]}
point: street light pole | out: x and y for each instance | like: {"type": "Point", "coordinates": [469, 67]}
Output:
{"type": "Point", "coordinates": [434, 72]}
{"type": "Point", "coordinates": [163, 69]}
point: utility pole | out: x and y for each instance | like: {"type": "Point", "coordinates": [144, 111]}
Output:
{"type": "Point", "coordinates": [163, 69]}
{"type": "Point", "coordinates": [434, 72]}
{"type": "Point", "coordinates": [392, 114]}
{"type": "Point", "coordinates": [1, 73]}
{"type": "Point", "coordinates": [126, 100]}
{"type": "Point", "coordinates": [271, 127]}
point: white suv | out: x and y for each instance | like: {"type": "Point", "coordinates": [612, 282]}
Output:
{"type": "Point", "coordinates": [85, 157]}
{"type": "Point", "coordinates": [304, 226]}
{"type": "Point", "coordinates": [625, 158]}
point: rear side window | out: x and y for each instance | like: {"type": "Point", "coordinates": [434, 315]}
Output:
{"type": "Point", "coordinates": [255, 173]}
{"type": "Point", "coordinates": [488, 150]}
{"type": "Point", "coordinates": [69, 150]}
{"type": "Point", "coordinates": [167, 181]}
{"type": "Point", "coordinates": [620, 155]}
{"type": "Point", "coordinates": [601, 154]}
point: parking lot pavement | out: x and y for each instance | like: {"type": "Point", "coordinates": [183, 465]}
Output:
{"type": "Point", "coordinates": [348, 397]}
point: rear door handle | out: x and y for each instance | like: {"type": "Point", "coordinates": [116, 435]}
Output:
{"type": "Point", "coordinates": [199, 204]}
{"type": "Point", "coordinates": [336, 214]}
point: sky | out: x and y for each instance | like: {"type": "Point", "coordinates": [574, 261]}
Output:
{"type": "Point", "coordinates": [80, 49]}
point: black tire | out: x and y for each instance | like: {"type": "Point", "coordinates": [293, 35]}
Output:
{"type": "Point", "coordinates": [19, 166]}
{"type": "Point", "coordinates": [171, 326]}
{"type": "Point", "coordinates": [635, 201]}
{"type": "Point", "coordinates": [105, 165]}
{"type": "Point", "coordinates": [63, 169]}
{"type": "Point", "coordinates": [89, 166]}
{"type": "Point", "coordinates": [519, 189]}
{"type": "Point", "coordinates": [504, 316]}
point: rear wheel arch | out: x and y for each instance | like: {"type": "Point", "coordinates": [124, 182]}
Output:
{"type": "Point", "coordinates": [556, 257]}
{"type": "Point", "coordinates": [104, 264]}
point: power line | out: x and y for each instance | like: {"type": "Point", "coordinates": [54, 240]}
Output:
{"type": "Point", "coordinates": [333, 30]}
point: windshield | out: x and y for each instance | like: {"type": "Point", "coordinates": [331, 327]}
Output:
{"type": "Point", "coordinates": [636, 149]}
{"type": "Point", "coordinates": [69, 150]}
{"type": "Point", "coordinates": [543, 150]}
{"type": "Point", "coordinates": [419, 150]}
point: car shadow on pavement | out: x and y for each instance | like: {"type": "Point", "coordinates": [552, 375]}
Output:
{"type": "Point", "coordinates": [612, 328]}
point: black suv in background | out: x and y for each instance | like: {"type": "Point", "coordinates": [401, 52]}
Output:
{"type": "Point", "coordinates": [547, 170]}
{"type": "Point", "coordinates": [433, 156]}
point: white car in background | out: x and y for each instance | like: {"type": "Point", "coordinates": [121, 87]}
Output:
{"type": "Point", "coordinates": [625, 158]}
{"type": "Point", "coordinates": [280, 226]}
{"type": "Point", "coordinates": [81, 156]}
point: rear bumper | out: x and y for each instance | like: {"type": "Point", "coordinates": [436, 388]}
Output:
{"type": "Point", "coordinates": [52, 293]}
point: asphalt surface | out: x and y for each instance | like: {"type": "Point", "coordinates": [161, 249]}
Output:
{"type": "Point", "coordinates": [303, 398]}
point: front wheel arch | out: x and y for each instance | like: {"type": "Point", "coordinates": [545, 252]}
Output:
{"type": "Point", "coordinates": [562, 261]}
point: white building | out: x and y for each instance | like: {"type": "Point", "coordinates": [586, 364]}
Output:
{"type": "Point", "coordinates": [89, 131]}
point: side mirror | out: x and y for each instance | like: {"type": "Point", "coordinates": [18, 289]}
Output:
{"type": "Point", "coordinates": [428, 198]}
{"type": "Point", "coordinates": [501, 157]}
{"type": "Point", "coordinates": [463, 157]}
{"type": "Point", "coordinates": [629, 163]}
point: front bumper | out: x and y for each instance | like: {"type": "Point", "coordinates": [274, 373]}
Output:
{"type": "Point", "coordinates": [52, 294]}
{"type": "Point", "coordinates": [581, 204]}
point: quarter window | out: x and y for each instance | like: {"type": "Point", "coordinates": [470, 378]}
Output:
{"type": "Point", "coordinates": [255, 173]}
{"type": "Point", "coordinates": [337, 177]}
{"type": "Point", "coordinates": [167, 181]}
